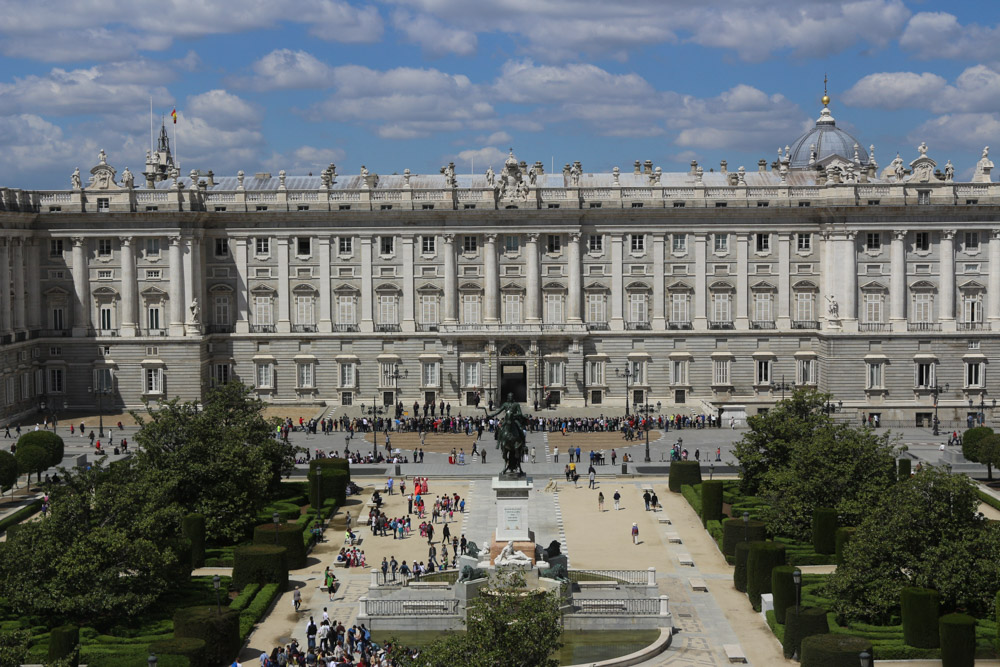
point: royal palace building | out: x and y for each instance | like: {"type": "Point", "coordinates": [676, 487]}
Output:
{"type": "Point", "coordinates": [713, 290]}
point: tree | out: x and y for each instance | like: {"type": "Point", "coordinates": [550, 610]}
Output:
{"type": "Point", "coordinates": [838, 466]}
{"type": "Point", "coordinates": [771, 436]}
{"type": "Point", "coordinates": [981, 445]}
{"type": "Point", "coordinates": [8, 470]}
{"type": "Point", "coordinates": [13, 647]}
{"type": "Point", "coordinates": [224, 456]}
{"type": "Point", "coordinates": [32, 459]}
{"type": "Point", "coordinates": [507, 625]}
{"type": "Point", "coordinates": [925, 531]}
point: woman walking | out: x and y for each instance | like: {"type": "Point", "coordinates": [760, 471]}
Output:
{"type": "Point", "coordinates": [600, 501]}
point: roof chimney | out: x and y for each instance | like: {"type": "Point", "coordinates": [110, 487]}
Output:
{"type": "Point", "coordinates": [637, 168]}
{"type": "Point", "coordinates": [647, 167]}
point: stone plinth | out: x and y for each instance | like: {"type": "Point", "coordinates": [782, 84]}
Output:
{"type": "Point", "coordinates": [511, 497]}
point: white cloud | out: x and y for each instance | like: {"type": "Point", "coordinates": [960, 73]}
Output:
{"type": "Point", "coordinates": [524, 82]}
{"type": "Point", "coordinates": [500, 137]}
{"type": "Point", "coordinates": [98, 89]}
{"type": "Point", "coordinates": [933, 35]}
{"type": "Point", "coordinates": [306, 159]}
{"type": "Point", "coordinates": [435, 38]}
{"type": "Point", "coordinates": [30, 143]}
{"type": "Point", "coordinates": [284, 69]}
{"type": "Point", "coordinates": [220, 107]}
{"type": "Point", "coordinates": [894, 90]}
{"type": "Point", "coordinates": [486, 156]}
{"type": "Point", "coordinates": [960, 130]}
{"type": "Point", "coordinates": [742, 118]}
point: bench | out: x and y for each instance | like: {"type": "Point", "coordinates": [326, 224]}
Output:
{"type": "Point", "coordinates": [602, 605]}
{"type": "Point", "coordinates": [647, 487]}
{"type": "Point", "coordinates": [665, 519]}
{"type": "Point", "coordinates": [734, 653]}
{"type": "Point", "coordinates": [674, 538]}
{"type": "Point", "coordinates": [597, 584]}
{"type": "Point", "coordinates": [340, 563]}
{"type": "Point", "coordinates": [698, 584]}
{"type": "Point", "coordinates": [685, 559]}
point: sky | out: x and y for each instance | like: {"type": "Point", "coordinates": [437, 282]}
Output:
{"type": "Point", "coordinates": [264, 85]}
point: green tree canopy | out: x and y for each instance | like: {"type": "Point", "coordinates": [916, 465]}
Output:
{"type": "Point", "coordinates": [925, 531]}
{"type": "Point", "coordinates": [981, 445]}
{"type": "Point", "coordinates": [33, 459]}
{"type": "Point", "coordinates": [8, 470]}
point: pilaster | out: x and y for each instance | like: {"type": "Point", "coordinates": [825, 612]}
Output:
{"type": "Point", "coordinates": [574, 296]}
{"type": "Point", "coordinates": [81, 286]}
{"type": "Point", "coordinates": [325, 285]}
{"type": "Point", "coordinates": [784, 280]}
{"type": "Point", "coordinates": [659, 322]}
{"type": "Point", "coordinates": [533, 292]}
{"type": "Point", "coordinates": [409, 295]}
{"type": "Point", "coordinates": [243, 285]}
{"type": "Point", "coordinates": [176, 286]}
{"type": "Point", "coordinates": [450, 280]}
{"type": "Point", "coordinates": [130, 307]}
{"type": "Point", "coordinates": [284, 323]}
{"type": "Point", "coordinates": [897, 280]}
{"type": "Point", "coordinates": [946, 311]}
{"type": "Point", "coordinates": [993, 286]}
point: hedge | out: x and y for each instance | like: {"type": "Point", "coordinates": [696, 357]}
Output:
{"type": "Point", "coordinates": [193, 528]}
{"type": "Point", "coordinates": [763, 557]}
{"type": "Point", "coordinates": [988, 499]}
{"type": "Point", "coordinates": [94, 657]}
{"type": "Point", "coordinates": [256, 610]}
{"type": "Point", "coordinates": [802, 623]}
{"type": "Point", "coordinates": [997, 607]}
{"type": "Point", "coordinates": [684, 472]}
{"type": "Point", "coordinates": [843, 537]}
{"type": "Point", "coordinates": [783, 590]}
{"type": "Point", "coordinates": [260, 564]}
{"type": "Point", "coordinates": [192, 648]}
{"type": "Point", "coordinates": [714, 529]}
{"type": "Point", "coordinates": [824, 528]}
{"type": "Point", "coordinates": [740, 571]}
{"type": "Point", "coordinates": [711, 501]}
{"type": "Point", "coordinates": [288, 535]}
{"type": "Point", "coordinates": [734, 531]}
{"type": "Point", "coordinates": [64, 642]}
{"type": "Point", "coordinates": [328, 479]}
{"type": "Point", "coordinates": [8, 470]}
{"type": "Point", "coordinates": [833, 650]}
{"type": "Point", "coordinates": [958, 640]}
{"type": "Point", "coordinates": [904, 470]}
{"type": "Point", "coordinates": [220, 631]}
{"type": "Point", "coordinates": [245, 597]}
{"type": "Point", "coordinates": [48, 441]}
{"type": "Point", "coordinates": [20, 515]}
{"type": "Point", "coordinates": [920, 609]}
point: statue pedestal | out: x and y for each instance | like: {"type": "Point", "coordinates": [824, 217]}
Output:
{"type": "Point", "coordinates": [512, 509]}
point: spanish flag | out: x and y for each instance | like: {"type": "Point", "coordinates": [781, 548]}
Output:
{"type": "Point", "coordinates": [173, 114]}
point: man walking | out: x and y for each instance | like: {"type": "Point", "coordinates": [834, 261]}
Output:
{"type": "Point", "coordinates": [593, 479]}
{"type": "Point", "coordinates": [645, 499]}
{"type": "Point", "coordinates": [635, 533]}
{"type": "Point", "coordinates": [617, 498]}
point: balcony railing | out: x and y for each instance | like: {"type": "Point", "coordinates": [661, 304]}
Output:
{"type": "Point", "coordinates": [881, 327]}
{"type": "Point", "coordinates": [219, 328]}
{"type": "Point", "coordinates": [762, 324]}
{"type": "Point", "coordinates": [638, 326]}
{"type": "Point", "coordinates": [346, 328]}
{"type": "Point", "coordinates": [721, 324]}
{"type": "Point", "coordinates": [431, 326]}
{"type": "Point", "coordinates": [262, 328]}
{"type": "Point", "coordinates": [679, 325]}
{"type": "Point", "coordinates": [972, 326]}
{"type": "Point", "coordinates": [56, 333]}
{"type": "Point", "coordinates": [304, 328]}
{"type": "Point", "coordinates": [598, 326]}
{"type": "Point", "coordinates": [387, 328]}
{"type": "Point", "coordinates": [154, 332]}
{"type": "Point", "coordinates": [107, 332]}
{"type": "Point", "coordinates": [520, 328]}
{"type": "Point", "coordinates": [924, 326]}
{"type": "Point", "coordinates": [805, 324]}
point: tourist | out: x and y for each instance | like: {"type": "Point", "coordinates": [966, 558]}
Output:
{"type": "Point", "coordinates": [600, 501]}
{"type": "Point", "coordinates": [617, 497]}
{"type": "Point", "coordinates": [311, 632]}
{"type": "Point", "coordinates": [645, 499]}
{"type": "Point", "coordinates": [654, 502]}
{"type": "Point", "coordinates": [296, 599]}
{"type": "Point", "coordinates": [635, 533]}
{"type": "Point", "coordinates": [593, 478]}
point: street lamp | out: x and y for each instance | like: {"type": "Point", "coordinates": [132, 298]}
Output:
{"type": "Point", "coordinates": [627, 374]}
{"type": "Point", "coordinates": [866, 659]}
{"type": "Point", "coordinates": [936, 391]}
{"type": "Point", "coordinates": [41, 406]}
{"type": "Point", "coordinates": [832, 407]}
{"type": "Point", "coordinates": [648, 410]}
{"type": "Point", "coordinates": [489, 381]}
{"type": "Point", "coordinates": [783, 386]}
{"type": "Point", "coordinates": [375, 411]}
{"type": "Point", "coordinates": [536, 384]}
{"type": "Point", "coordinates": [746, 526]}
{"type": "Point", "coordinates": [104, 380]}
{"type": "Point", "coordinates": [395, 376]}
{"type": "Point", "coordinates": [216, 580]}
{"type": "Point", "coordinates": [981, 415]}
{"type": "Point", "coordinates": [711, 470]}
{"type": "Point", "coordinates": [152, 659]}
{"type": "Point", "coordinates": [276, 518]}
{"type": "Point", "coordinates": [797, 580]}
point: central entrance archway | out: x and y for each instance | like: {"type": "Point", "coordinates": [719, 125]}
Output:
{"type": "Point", "coordinates": [513, 373]}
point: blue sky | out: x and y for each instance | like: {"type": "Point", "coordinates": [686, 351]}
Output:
{"type": "Point", "coordinates": [263, 85]}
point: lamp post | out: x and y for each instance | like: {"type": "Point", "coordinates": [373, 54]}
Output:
{"type": "Point", "coordinates": [797, 580]}
{"type": "Point", "coordinates": [866, 659]}
{"type": "Point", "coordinates": [711, 470]}
{"type": "Point", "coordinates": [981, 414]}
{"type": "Point", "coordinates": [536, 384]}
{"type": "Point", "coordinates": [489, 381]}
{"type": "Point", "coordinates": [783, 386]}
{"type": "Point", "coordinates": [746, 526]}
{"type": "Point", "coordinates": [395, 376]}
{"type": "Point", "coordinates": [216, 580]}
{"type": "Point", "coordinates": [832, 407]}
{"type": "Point", "coordinates": [41, 406]}
{"type": "Point", "coordinates": [647, 410]}
{"type": "Point", "coordinates": [936, 391]}
{"type": "Point", "coordinates": [375, 411]}
{"type": "Point", "coordinates": [276, 518]}
{"type": "Point", "coordinates": [627, 374]}
{"type": "Point", "coordinates": [152, 659]}
{"type": "Point", "coordinates": [104, 383]}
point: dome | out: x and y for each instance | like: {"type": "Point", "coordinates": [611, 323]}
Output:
{"type": "Point", "coordinates": [828, 140]}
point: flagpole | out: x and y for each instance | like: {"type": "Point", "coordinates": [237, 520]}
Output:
{"type": "Point", "coordinates": [152, 145]}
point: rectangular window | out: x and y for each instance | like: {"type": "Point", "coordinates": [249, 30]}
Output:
{"type": "Point", "coordinates": [106, 322]}
{"type": "Point", "coordinates": [554, 244]}
{"type": "Point", "coordinates": [804, 242]}
{"type": "Point", "coordinates": [923, 375]}
{"type": "Point", "coordinates": [469, 244]}
{"type": "Point", "coordinates": [680, 242]}
{"type": "Point", "coordinates": [721, 371]}
{"type": "Point", "coordinates": [972, 308]}
{"type": "Point", "coordinates": [923, 196]}
{"type": "Point", "coordinates": [511, 243]}
{"type": "Point", "coordinates": [680, 308]}
{"type": "Point", "coordinates": [595, 373]}
{"type": "Point", "coordinates": [555, 373]}
{"type": "Point", "coordinates": [345, 245]}
{"type": "Point", "coordinates": [679, 372]}
{"type": "Point", "coordinates": [923, 303]}
{"type": "Point", "coordinates": [971, 241]}
{"type": "Point", "coordinates": [263, 310]}
{"type": "Point", "coordinates": [385, 245]}
{"type": "Point", "coordinates": [875, 375]}
{"type": "Point", "coordinates": [805, 306]}
{"type": "Point", "coordinates": [305, 376]}
{"type": "Point", "coordinates": [975, 374]}
{"type": "Point", "coordinates": [763, 371]}
{"type": "Point", "coordinates": [153, 317]}
{"type": "Point", "coordinates": [428, 245]}
{"type": "Point", "coordinates": [58, 319]}
{"type": "Point", "coordinates": [305, 309]}
{"type": "Point", "coordinates": [152, 247]}
{"type": "Point", "coordinates": [347, 375]}
{"type": "Point", "coordinates": [763, 242]}
{"type": "Point", "coordinates": [637, 369]}
{"type": "Point", "coordinates": [387, 311]}
{"type": "Point", "coordinates": [472, 309]}
{"type": "Point", "coordinates": [721, 243]}
{"type": "Point", "coordinates": [638, 243]}
{"type": "Point", "coordinates": [303, 246]}
{"type": "Point", "coordinates": [265, 376]}
{"type": "Point", "coordinates": [222, 310]}
{"type": "Point", "coordinates": [262, 246]}
{"type": "Point", "coordinates": [430, 373]}
{"type": "Point", "coordinates": [105, 274]}
{"type": "Point", "coordinates": [222, 247]}
{"type": "Point", "coordinates": [722, 307]}
{"type": "Point", "coordinates": [763, 307]}
{"type": "Point", "coordinates": [55, 247]}
{"type": "Point", "coordinates": [554, 312]}
{"type": "Point", "coordinates": [154, 274]}
{"type": "Point", "coordinates": [56, 385]}
{"type": "Point", "coordinates": [807, 371]}
{"type": "Point", "coordinates": [873, 308]}
{"type": "Point", "coordinates": [597, 310]}
{"type": "Point", "coordinates": [103, 247]}
{"type": "Point", "coordinates": [595, 243]}
{"type": "Point", "coordinates": [873, 241]}
{"type": "Point", "coordinates": [512, 309]}
{"type": "Point", "coordinates": [222, 373]}
{"type": "Point", "coordinates": [470, 373]}
{"type": "Point", "coordinates": [103, 204]}
{"type": "Point", "coordinates": [638, 309]}
{"type": "Point", "coordinates": [153, 380]}
{"type": "Point", "coordinates": [346, 309]}
{"type": "Point", "coordinates": [428, 309]}
{"type": "Point", "coordinates": [923, 241]}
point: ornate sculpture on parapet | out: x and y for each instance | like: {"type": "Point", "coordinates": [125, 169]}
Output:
{"type": "Point", "coordinates": [923, 167]}
{"type": "Point", "coordinates": [128, 180]}
{"type": "Point", "coordinates": [102, 157]}
{"type": "Point", "coordinates": [833, 309]}
{"type": "Point", "coordinates": [557, 572]}
{"type": "Point", "coordinates": [324, 178]}
{"type": "Point", "coordinates": [491, 177]}
{"type": "Point", "coordinates": [470, 573]}
{"type": "Point", "coordinates": [472, 549]}
{"type": "Point", "coordinates": [532, 176]}
{"type": "Point", "coordinates": [574, 175]}
{"type": "Point", "coordinates": [239, 179]}
{"type": "Point", "coordinates": [741, 176]}
{"type": "Point", "coordinates": [511, 185]}
{"type": "Point", "coordinates": [615, 175]}
{"type": "Point", "coordinates": [449, 175]}
{"type": "Point", "coordinates": [406, 177]}
{"type": "Point", "coordinates": [75, 179]}
{"type": "Point", "coordinates": [983, 168]}
{"type": "Point", "coordinates": [949, 172]}
{"type": "Point", "coordinates": [195, 311]}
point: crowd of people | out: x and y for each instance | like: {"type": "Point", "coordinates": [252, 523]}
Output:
{"type": "Point", "coordinates": [330, 643]}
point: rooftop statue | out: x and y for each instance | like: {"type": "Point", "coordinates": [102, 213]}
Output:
{"type": "Point", "coordinates": [75, 179]}
{"type": "Point", "coordinates": [983, 168]}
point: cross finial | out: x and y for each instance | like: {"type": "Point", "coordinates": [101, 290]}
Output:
{"type": "Point", "coordinates": [824, 83]}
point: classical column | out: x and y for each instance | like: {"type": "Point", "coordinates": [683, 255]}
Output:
{"type": "Point", "coordinates": [176, 287]}
{"type": "Point", "coordinates": [847, 269]}
{"type": "Point", "coordinates": [325, 286]}
{"type": "Point", "coordinates": [946, 312]}
{"type": "Point", "coordinates": [130, 294]}
{"type": "Point", "coordinates": [742, 286]}
{"type": "Point", "coordinates": [533, 293]}
{"type": "Point", "coordinates": [450, 280]}
{"type": "Point", "coordinates": [284, 323]}
{"type": "Point", "coordinates": [785, 241]}
{"type": "Point", "coordinates": [617, 284]}
{"type": "Point", "coordinates": [81, 285]}
{"type": "Point", "coordinates": [243, 285]}
{"type": "Point", "coordinates": [409, 295]}
{"type": "Point", "coordinates": [18, 271]}
{"type": "Point", "coordinates": [574, 296]}
{"type": "Point", "coordinates": [897, 279]}
{"type": "Point", "coordinates": [491, 296]}
{"type": "Point", "coordinates": [659, 319]}
{"type": "Point", "coordinates": [367, 289]}
{"type": "Point", "coordinates": [34, 286]}
{"type": "Point", "coordinates": [993, 286]}
{"type": "Point", "coordinates": [700, 281]}
{"type": "Point", "coordinates": [5, 305]}
{"type": "Point", "coordinates": [191, 291]}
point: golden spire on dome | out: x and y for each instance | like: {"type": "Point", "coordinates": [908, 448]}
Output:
{"type": "Point", "coordinates": [826, 98]}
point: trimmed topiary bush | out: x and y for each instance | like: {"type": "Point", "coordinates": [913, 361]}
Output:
{"type": "Point", "coordinates": [684, 472]}
{"type": "Point", "coordinates": [843, 537]}
{"type": "Point", "coordinates": [958, 640]}
{"type": "Point", "coordinates": [48, 441]}
{"type": "Point", "coordinates": [32, 459]}
{"type": "Point", "coordinates": [8, 470]}
{"type": "Point", "coordinates": [805, 622]}
{"type": "Point", "coordinates": [824, 528]}
{"type": "Point", "coordinates": [711, 501]}
{"type": "Point", "coordinates": [783, 590]}
{"type": "Point", "coordinates": [328, 479]}
{"type": "Point", "coordinates": [257, 608]}
{"type": "Point", "coordinates": [740, 571]}
{"type": "Point", "coordinates": [733, 532]}
{"type": "Point", "coordinates": [763, 557]}
{"type": "Point", "coordinates": [64, 642]}
{"type": "Point", "coordinates": [904, 471]}
{"type": "Point", "coordinates": [192, 648]}
{"type": "Point", "coordinates": [193, 529]}
{"type": "Point", "coordinates": [219, 631]}
{"type": "Point", "coordinates": [920, 609]}
{"type": "Point", "coordinates": [260, 564]}
{"type": "Point", "coordinates": [833, 650]}
{"type": "Point", "coordinates": [288, 535]}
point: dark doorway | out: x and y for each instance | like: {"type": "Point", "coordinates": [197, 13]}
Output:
{"type": "Point", "coordinates": [514, 380]}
